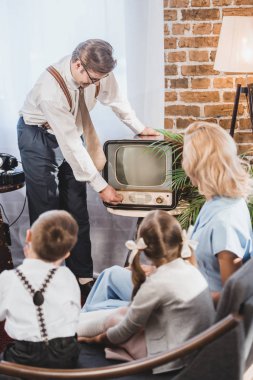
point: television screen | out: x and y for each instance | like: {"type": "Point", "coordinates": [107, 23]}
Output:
{"type": "Point", "coordinates": [141, 171]}
{"type": "Point", "coordinates": [138, 166]}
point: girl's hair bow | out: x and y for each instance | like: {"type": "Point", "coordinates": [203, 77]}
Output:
{"type": "Point", "coordinates": [135, 247]}
{"type": "Point", "coordinates": [188, 245]}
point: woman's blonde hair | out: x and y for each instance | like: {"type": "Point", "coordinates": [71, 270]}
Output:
{"type": "Point", "coordinates": [54, 234]}
{"type": "Point", "coordinates": [210, 160]}
{"type": "Point", "coordinates": [162, 235]}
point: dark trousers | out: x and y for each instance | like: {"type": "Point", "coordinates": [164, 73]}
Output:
{"type": "Point", "coordinates": [57, 353]}
{"type": "Point", "coordinates": [51, 185]}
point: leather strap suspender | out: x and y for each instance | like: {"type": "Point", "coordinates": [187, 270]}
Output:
{"type": "Point", "coordinates": [97, 90]}
{"type": "Point", "coordinates": [63, 85]}
{"type": "Point", "coordinates": [94, 147]}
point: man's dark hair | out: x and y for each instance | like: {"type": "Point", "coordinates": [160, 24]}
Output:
{"type": "Point", "coordinates": [96, 54]}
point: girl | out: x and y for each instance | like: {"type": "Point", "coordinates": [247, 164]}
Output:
{"type": "Point", "coordinates": [172, 304]}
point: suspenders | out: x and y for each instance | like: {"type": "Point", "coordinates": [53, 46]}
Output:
{"type": "Point", "coordinates": [63, 85]}
{"type": "Point", "coordinates": [94, 147]}
{"type": "Point", "coordinates": [38, 298]}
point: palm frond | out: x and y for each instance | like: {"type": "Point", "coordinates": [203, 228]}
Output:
{"type": "Point", "coordinates": [175, 137]}
{"type": "Point", "coordinates": [179, 179]}
{"type": "Point", "coordinates": [187, 193]}
{"type": "Point", "coordinates": [190, 213]}
{"type": "Point", "coordinates": [173, 142]}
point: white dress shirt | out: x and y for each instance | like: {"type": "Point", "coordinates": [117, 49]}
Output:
{"type": "Point", "coordinates": [61, 305]}
{"type": "Point", "coordinates": [46, 102]}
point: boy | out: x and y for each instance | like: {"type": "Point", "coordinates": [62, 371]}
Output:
{"type": "Point", "coordinates": [40, 299]}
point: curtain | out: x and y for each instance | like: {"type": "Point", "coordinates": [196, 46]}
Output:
{"type": "Point", "coordinates": [37, 33]}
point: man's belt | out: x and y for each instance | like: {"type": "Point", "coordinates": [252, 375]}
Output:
{"type": "Point", "coordinates": [46, 125]}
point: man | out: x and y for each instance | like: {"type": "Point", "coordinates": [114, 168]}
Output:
{"type": "Point", "coordinates": [55, 161]}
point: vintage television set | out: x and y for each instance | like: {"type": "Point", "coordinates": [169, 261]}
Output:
{"type": "Point", "coordinates": [141, 173]}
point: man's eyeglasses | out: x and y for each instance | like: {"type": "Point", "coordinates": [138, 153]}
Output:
{"type": "Point", "coordinates": [93, 80]}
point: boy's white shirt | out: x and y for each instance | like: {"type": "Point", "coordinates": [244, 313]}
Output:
{"type": "Point", "coordinates": [61, 307]}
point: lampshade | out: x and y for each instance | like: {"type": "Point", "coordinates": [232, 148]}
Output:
{"type": "Point", "coordinates": [235, 48]}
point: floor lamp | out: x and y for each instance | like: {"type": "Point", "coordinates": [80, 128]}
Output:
{"type": "Point", "coordinates": [235, 55]}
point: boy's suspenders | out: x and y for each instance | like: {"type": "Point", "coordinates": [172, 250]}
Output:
{"type": "Point", "coordinates": [38, 298]}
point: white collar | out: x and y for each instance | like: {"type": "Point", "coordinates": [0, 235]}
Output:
{"type": "Point", "coordinates": [69, 78]}
{"type": "Point", "coordinates": [37, 263]}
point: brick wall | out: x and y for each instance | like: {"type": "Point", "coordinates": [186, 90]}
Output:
{"type": "Point", "coordinates": [193, 89]}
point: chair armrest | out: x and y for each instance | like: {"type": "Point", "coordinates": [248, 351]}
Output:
{"type": "Point", "coordinates": [136, 366]}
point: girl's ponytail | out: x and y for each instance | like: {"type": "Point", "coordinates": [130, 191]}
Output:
{"type": "Point", "coordinates": [138, 275]}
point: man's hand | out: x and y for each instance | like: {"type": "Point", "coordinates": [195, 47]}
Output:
{"type": "Point", "coordinates": [149, 132]}
{"type": "Point", "coordinates": [110, 195]}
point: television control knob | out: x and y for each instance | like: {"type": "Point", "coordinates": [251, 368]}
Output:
{"type": "Point", "coordinates": [159, 200]}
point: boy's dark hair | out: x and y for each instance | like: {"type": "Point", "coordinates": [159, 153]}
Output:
{"type": "Point", "coordinates": [54, 234]}
{"type": "Point", "coordinates": [96, 54]}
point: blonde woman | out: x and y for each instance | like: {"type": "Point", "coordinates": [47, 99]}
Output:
{"type": "Point", "coordinates": [223, 227]}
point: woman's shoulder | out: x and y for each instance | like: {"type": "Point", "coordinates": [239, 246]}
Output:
{"type": "Point", "coordinates": [232, 210]}
{"type": "Point", "coordinates": [227, 202]}
{"type": "Point", "coordinates": [226, 209]}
